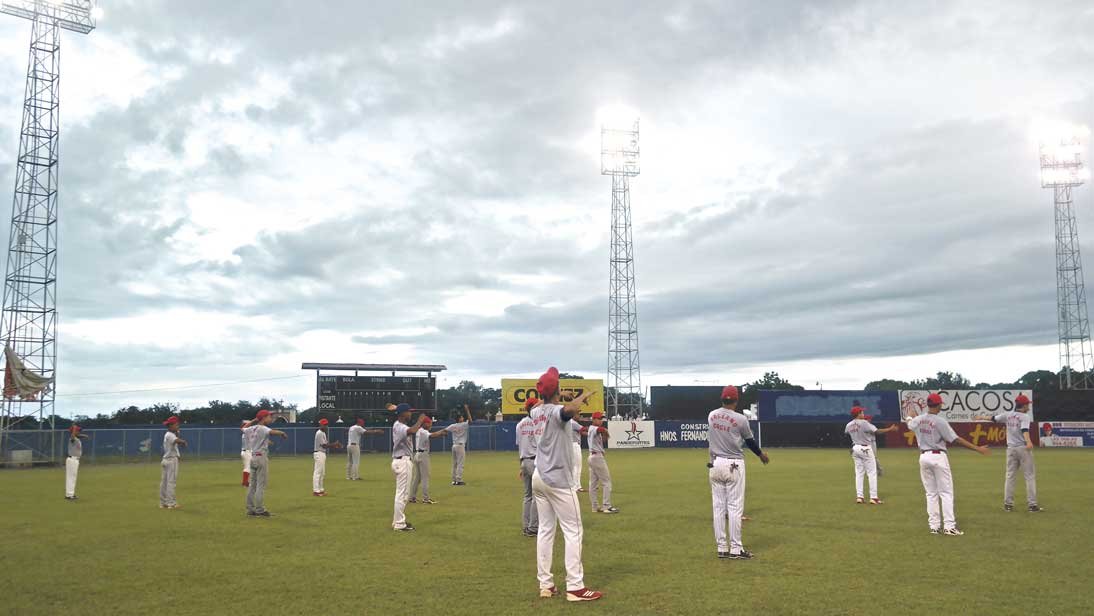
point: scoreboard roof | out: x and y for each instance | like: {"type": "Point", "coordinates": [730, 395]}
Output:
{"type": "Point", "coordinates": [375, 367]}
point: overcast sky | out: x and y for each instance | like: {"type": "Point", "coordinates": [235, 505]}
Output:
{"type": "Point", "coordinates": [839, 194]}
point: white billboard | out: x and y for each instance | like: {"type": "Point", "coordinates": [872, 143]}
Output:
{"type": "Point", "coordinates": [961, 405]}
{"type": "Point", "coordinates": [631, 434]}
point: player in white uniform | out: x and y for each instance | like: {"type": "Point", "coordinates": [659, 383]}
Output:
{"type": "Point", "coordinates": [599, 476]}
{"type": "Point", "coordinates": [353, 448]}
{"type": "Point", "coordinates": [401, 450]}
{"type": "Point", "coordinates": [245, 455]}
{"type": "Point", "coordinates": [169, 466]}
{"type": "Point", "coordinates": [459, 432]}
{"type": "Point", "coordinates": [726, 431]}
{"type": "Point", "coordinates": [1019, 453]}
{"type": "Point", "coordinates": [421, 463]}
{"type": "Point", "coordinates": [556, 500]}
{"type": "Point", "coordinates": [933, 434]}
{"type": "Point", "coordinates": [72, 463]}
{"type": "Point", "coordinates": [526, 451]}
{"type": "Point", "coordinates": [577, 429]}
{"type": "Point", "coordinates": [863, 440]}
{"type": "Point", "coordinates": [256, 436]}
{"type": "Point", "coordinates": [319, 454]}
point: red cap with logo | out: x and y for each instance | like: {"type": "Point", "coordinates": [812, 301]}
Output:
{"type": "Point", "coordinates": [360, 421]}
{"type": "Point", "coordinates": [598, 415]}
{"type": "Point", "coordinates": [934, 400]}
{"type": "Point", "coordinates": [74, 428]}
{"type": "Point", "coordinates": [529, 403]}
{"type": "Point", "coordinates": [548, 383]}
{"type": "Point", "coordinates": [730, 393]}
{"type": "Point", "coordinates": [323, 422]}
{"type": "Point", "coordinates": [263, 414]}
{"type": "Point", "coordinates": [1021, 400]}
{"type": "Point", "coordinates": [856, 411]}
{"type": "Point", "coordinates": [171, 420]}
{"type": "Point", "coordinates": [428, 421]}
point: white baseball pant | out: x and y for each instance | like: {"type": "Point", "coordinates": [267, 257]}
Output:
{"type": "Point", "coordinates": [865, 466]}
{"type": "Point", "coordinates": [401, 468]}
{"type": "Point", "coordinates": [319, 473]}
{"type": "Point", "coordinates": [934, 470]}
{"type": "Point", "coordinates": [1020, 457]}
{"type": "Point", "coordinates": [727, 487]}
{"type": "Point", "coordinates": [353, 462]}
{"type": "Point", "coordinates": [600, 478]}
{"type": "Point", "coordinates": [72, 468]}
{"type": "Point", "coordinates": [576, 463]}
{"type": "Point", "coordinates": [169, 475]}
{"type": "Point", "coordinates": [558, 505]}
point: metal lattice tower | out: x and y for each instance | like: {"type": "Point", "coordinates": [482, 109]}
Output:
{"type": "Point", "coordinates": [619, 158]}
{"type": "Point", "coordinates": [1062, 170]}
{"type": "Point", "coordinates": [29, 321]}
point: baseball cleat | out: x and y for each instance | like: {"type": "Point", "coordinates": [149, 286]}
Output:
{"type": "Point", "coordinates": [405, 529]}
{"type": "Point", "coordinates": [744, 555]}
{"type": "Point", "coordinates": [609, 510]}
{"type": "Point", "coordinates": [547, 593]}
{"type": "Point", "coordinates": [529, 532]}
{"type": "Point", "coordinates": [582, 490]}
{"type": "Point", "coordinates": [745, 518]}
{"type": "Point", "coordinates": [163, 506]}
{"type": "Point", "coordinates": [411, 500]}
{"type": "Point", "coordinates": [175, 506]}
{"type": "Point", "coordinates": [264, 514]}
{"type": "Point", "coordinates": [429, 501]}
{"type": "Point", "coordinates": [1008, 507]}
{"type": "Point", "coordinates": [1035, 509]}
{"type": "Point", "coordinates": [936, 531]}
{"type": "Point", "coordinates": [953, 532]}
{"type": "Point", "coordinates": [876, 501]}
{"type": "Point", "coordinates": [723, 554]}
{"type": "Point", "coordinates": [459, 483]}
{"type": "Point", "coordinates": [318, 493]}
{"type": "Point", "coordinates": [859, 501]}
{"type": "Point", "coordinates": [583, 595]}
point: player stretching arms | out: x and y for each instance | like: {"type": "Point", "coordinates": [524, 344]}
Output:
{"type": "Point", "coordinates": [421, 470]}
{"type": "Point", "coordinates": [556, 500]}
{"type": "Point", "coordinates": [526, 450]}
{"type": "Point", "coordinates": [933, 433]}
{"type": "Point", "coordinates": [256, 436]}
{"type": "Point", "coordinates": [459, 432]}
{"type": "Point", "coordinates": [599, 476]}
{"type": "Point", "coordinates": [72, 463]}
{"type": "Point", "coordinates": [401, 434]}
{"type": "Point", "coordinates": [169, 466]}
{"type": "Point", "coordinates": [353, 449]}
{"type": "Point", "coordinates": [319, 454]}
{"type": "Point", "coordinates": [862, 434]}
{"type": "Point", "coordinates": [727, 429]}
{"type": "Point", "coordinates": [1019, 453]}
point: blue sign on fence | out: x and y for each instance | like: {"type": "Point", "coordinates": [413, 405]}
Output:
{"type": "Point", "coordinates": [824, 406]}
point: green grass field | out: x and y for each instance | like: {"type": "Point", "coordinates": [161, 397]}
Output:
{"type": "Point", "coordinates": [115, 552]}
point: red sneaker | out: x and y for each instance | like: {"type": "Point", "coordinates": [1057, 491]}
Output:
{"type": "Point", "coordinates": [583, 595]}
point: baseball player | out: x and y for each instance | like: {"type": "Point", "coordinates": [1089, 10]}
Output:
{"type": "Point", "coordinates": [319, 454]}
{"type": "Point", "coordinates": [401, 449]}
{"type": "Point", "coordinates": [933, 434]}
{"type": "Point", "coordinates": [72, 463]}
{"type": "Point", "coordinates": [353, 449]}
{"type": "Point", "coordinates": [1019, 452]}
{"type": "Point", "coordinates": [459, 444]}
{"type": "Point", "coordinates": [169, 466]}
{"type": "Point", "coordinates": [576, 430]}
{"type": "Point", "coordinates": [256, 436]}
{"type": "Point", "coordinates": [526, 450]}
{"type": "Point", "coordinates": [556, 500]}
{"type": "Point", "coordinates": [727, 429]}
{"type": "Point", "coordinates": [245, 454]}
{"type": "Point", "coordinates": [421, 464]}
{"type": "Point", "coordinates": [862, 434]}
{"type": "Point", "coordinates": [599, 477]}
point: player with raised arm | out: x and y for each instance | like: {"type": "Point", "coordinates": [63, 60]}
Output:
{"type": "Point", "coordinates": [862, 434]}
{"type": "Point", "coordinates": [402, 434]}
{"type": "Point", "coordinates": [727, 430]}
{"type": "Point", "coordinates": [933, 434]}
{"type": "Point", "coordinates": [256, 437]}
{"type": "Point", "coordinates": [422, 467]}
{"type": "Point", "coordinates": [459, 432]}
{"type": "Point", "coordinates": [556, 500]}
{"type": "Point", "coordinates": [353, 448]}
{"type": "Point", "coordinates": [169, 465]}
{"type": "Point", "coordinates": [526, 451]}
{"type": "Point", "coordinates": [599, 476]}
{"type": "Point", "coordinates": [1019, 453]}
{"type": "Point", "coordinates": [245, 455]}
{"type": "Point", "coordinates": [72, 463]}
{"type": "Point", "coordinates": [319, 454]}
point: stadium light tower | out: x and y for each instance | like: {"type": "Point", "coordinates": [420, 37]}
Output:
{"type": "Point", "coordinates": [29, 320]}
{"type": "Point", "coordinates": [619, 158]}
{"type": "Point", "coordinates": [1062, 170]}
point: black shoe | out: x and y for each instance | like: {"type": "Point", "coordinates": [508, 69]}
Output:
{"type": "Point", "coordinates": [1008, 507]}
{"type": "Point", "coordinates": [252, 514]}
{"type": "Point", "coordinates": [264, 514]}
{"type": "Point", "coordinates": [529, 532]}
{"type": "Point", "coordinates": [459, 483]}
{"type": "Point", "coordinates": [936, 531]}
{"type": "Point", "coordinates": [744, 555]}
{"type": "Point", "coordinates": [405, 529]}
{"type": "Point", "coordinates": [1035, 509]}
{"type": "Point", "coordinates": [723, 554]}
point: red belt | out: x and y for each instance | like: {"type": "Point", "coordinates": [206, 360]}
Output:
{"type": "Point", "coordinates": [256, 454]}
{"type": "Point", "coordinates": [933, 451]}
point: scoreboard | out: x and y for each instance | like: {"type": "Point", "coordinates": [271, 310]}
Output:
{"type": "Point", "coordinates": [364, 394]}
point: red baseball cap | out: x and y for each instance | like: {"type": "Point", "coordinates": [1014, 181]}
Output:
{"type": "Point", "coordinates": [1021, 400]}
{"type": "Point", "coordinates": [598, 415]}
{"type": "Point", "coordinates": [730, 393]}
{"type": "Point", "coordinates": [856, 411]}
{"type": "Point", "coordinates": [360, 421]}
{"type": "Point", "coordinates": [323, 421]}
{"type": "Point", "coordinates": [548, 383]}
{"type": "Point", "coordinates": [262, 415]}
{"type": "Point", "coordinates": [529, 403]}
{"type": "Point", "coordinates": [934, 400]}
{"type": "Point", "coordinates": [428, 421]}
{"type": "Point", "coordinates": [171, 420]}
{"type": "Point", "coordinates": [74, 428]}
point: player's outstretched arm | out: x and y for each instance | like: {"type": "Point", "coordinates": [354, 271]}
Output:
{"type": "Point", "coordinates": [574, 408]}
{"type": "Point", "coordinates": [889, 429]}
{"type": "Point", "coordinates": [181, 442]}
{"type": "Point", "coordinates": [438, 434]}
{"type": "Point", "coordinates": [983, 450]}
{"type": "Point", "coordinates": [417, 425]}
{"type": "Point", "coordinates": [278, 433]}
{"type": "Point", "coordinates": [375, 431]}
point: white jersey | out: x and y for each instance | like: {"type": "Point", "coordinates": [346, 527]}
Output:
{"type": "Point", "coordinates": [575, 435]}
{"type": "Point", "coordinates": [170, 445]}
{"type": "Point", "coordinates": [459, 433]}
{"type": "Point", "coordinates": [861, 432]}
{"type": "Point", "coordinates": [75, 447]}
{"type": "Point", "coordinates": [355, 434]}
{"type": "Point", "coordinates": [932, 432]}
{"type": "Point", "coordinates": [554, 453]}
{"type": "Point", "coordinates": [257, 438]}
{"type": "Point", "coordinates": [727, 430]}
{"type": "Point", "coordinates": [320, 440]}
{"type": "Point", "coordinates": [400, 440]}
{"type": "Point", "coordinates": [526, 438]}
{"type": "Point", "coordinates": [597, 434]}
{"type": "Point", "coordinates": [422, 441]}
{"type": "Point", "coordinates": [1017, 423]}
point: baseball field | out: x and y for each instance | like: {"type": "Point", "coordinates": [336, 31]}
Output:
{"type": "Point", "coordinates": [115, 552]}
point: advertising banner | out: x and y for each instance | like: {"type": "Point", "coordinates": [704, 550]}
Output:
{"type": "Point", "coordinates": [1067, 434]}
{"type": "Point", "coordinates": [964, 404]}
{"type": "Point", "coordinates": [822, 406]}
{"type": "Point", "coordinates": [687, 433]}
{"type": "Point", "coordinates": [514, 392]}
{"type": "Point", "coordinates": [977, 433]}
{"type": "Point", "coordinates": [631, 434]}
